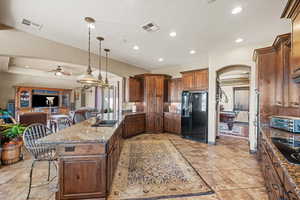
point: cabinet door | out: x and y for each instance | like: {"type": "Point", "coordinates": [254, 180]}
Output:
{"type": "Point", "coordinates": [279, 77]}
{"type": "Point", "coordinates": [177, 119]}
{"type": "Point", "coordinates": [82, 177]}
{"type": "Point", "coordinates": [293, 88]}
{"type": "Point", "coordinates": [159, 86]}
{"type": "Point", "coordinates": [188, 80]}
{"type": "Point", "coordinates": [296, 43]}
{"type": "Point", "coordinates": [135, 90]}
{"type": "Point", "coordinates": [172, 90]}
{"type": "Point", "coordinates": [179, 90]}
{"type": "Point", "coordinates": [201, 80]}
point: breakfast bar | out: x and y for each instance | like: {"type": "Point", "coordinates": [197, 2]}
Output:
{"type": "Point", "coordinates": [87, 157]}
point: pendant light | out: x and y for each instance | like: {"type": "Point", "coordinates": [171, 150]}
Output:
{"type": "Point", "coordinates": [87, 79]}
{"type": "Point", "coordinates": [106, 83]}
{"type": "Point", "coordinates": [100, 80]}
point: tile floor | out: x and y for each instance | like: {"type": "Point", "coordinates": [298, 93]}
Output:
{"type": "Point", "coordinates": [228, 168]}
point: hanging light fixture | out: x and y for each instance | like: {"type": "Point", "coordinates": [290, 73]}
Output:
{"type": "Point", "coordinates": [106, 83]}
{"type": "Point", "coordinates": [87, 79]}
{"type": "Point", "coordinates": [100, 80]}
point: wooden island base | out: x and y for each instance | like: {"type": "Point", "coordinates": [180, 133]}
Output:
{"type": "Point", "coordinates": [86, 170]}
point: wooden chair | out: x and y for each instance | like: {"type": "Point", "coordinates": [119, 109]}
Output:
{"type": "Point", "coordinates": [39, 152]}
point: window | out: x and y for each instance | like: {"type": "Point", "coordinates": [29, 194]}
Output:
{"type": "Point", "coordinates": [241, 98]}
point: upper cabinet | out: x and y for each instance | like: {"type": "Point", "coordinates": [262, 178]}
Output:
{"type": "Point", "coordinates": [292, 11]}
{"type": "Point", "coordinates": [136, 91]}
{"type": "Point", "coordinates": [175, 90]}
{"type": "Point", "coordinates": [195, 80]}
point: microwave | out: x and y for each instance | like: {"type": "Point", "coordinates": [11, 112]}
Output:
{"type": "Point", "coordinates": [286, 123]}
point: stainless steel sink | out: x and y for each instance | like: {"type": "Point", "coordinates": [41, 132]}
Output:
{"type": "Point", "coordinates": [105, 123]}
{"type": "Point", "coordinates": [289, 148]}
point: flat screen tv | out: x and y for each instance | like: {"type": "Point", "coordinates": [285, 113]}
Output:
{"type": "Point", "coordinates": [41, 101]}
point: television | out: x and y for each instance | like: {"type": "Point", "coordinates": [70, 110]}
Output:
{"type": "Point", "coordinates": [41, 101]}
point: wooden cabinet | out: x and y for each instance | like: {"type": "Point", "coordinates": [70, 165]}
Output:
{"type": "Point", "coordinates": [135, 90]}
{"type": "Point", "coordinates": [195, 80]}
{"type": "Point", "coordinates": [265, 59]}
{"type": "Point", "coordinates": [155, 93]}
{"type": "Point", "coordinates": [134, 125]}
{"type": "Point", "coordinates": [188, 80]}
{"type": "Point", "coordinates": [175, 90]}
{"type": "Point", "coordinates": [279, 94]}
{"type": "Point", "coordinates": [82, 177]}
{"type": "Point", "coordinates": [201, 79]}
{"type": "Point", "coordinates": [172, 122]}
{"type": "Point", "coordinates": [292, 11]}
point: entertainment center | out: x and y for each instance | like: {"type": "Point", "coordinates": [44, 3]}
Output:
{"type": "Point", "coordinates": [36, 99]}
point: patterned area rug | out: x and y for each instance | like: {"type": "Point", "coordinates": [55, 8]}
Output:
{"type": "Point", "coordinates": [154, 169]}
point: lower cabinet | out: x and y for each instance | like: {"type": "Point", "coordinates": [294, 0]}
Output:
{"type": "Point", "coordinates": [277, 185]}
{"type": "Point", "coordinates": [86, 171]}
{"type": "Point", "coordinates": [134, 125]}
{"type": "Point", "coordinates": [82, 177]}
{"type": "Point", "coordinates": [172, 122]}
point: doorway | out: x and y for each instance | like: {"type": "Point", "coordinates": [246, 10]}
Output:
{"type": "Point", "coordinates": [233, 100]}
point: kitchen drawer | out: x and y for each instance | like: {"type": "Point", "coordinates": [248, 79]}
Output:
{"type": "Point", "coordinates": [81, 149]}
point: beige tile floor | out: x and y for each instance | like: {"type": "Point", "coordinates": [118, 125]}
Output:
{"type": "Point", "coordinates": [228, 168]}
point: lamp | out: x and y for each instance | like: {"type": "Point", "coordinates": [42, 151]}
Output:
{"type": "Point", "coordinates": [106, 83]}
{"type": "Point", "coordinates": [87, 79]}
{"type": "Point", "coordinates": [100, 80]}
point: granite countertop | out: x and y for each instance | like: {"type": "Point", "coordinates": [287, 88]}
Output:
{"type": "Point", "coordinates": [292, 171]}
{"type": "Point", "coordinates": [83, 132]}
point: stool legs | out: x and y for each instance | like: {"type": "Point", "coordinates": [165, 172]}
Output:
{"type": "Point", "coordinates": [30, 180]}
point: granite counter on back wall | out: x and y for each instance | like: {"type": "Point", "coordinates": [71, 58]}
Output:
{"type": "Point", "coordinates": [291, 171]}
{"type": "Point", "coordinates": [84, 132]}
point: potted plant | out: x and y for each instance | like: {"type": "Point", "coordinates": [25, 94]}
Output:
{"type": "Point", "coordinates": [4, 114]}
{"type": "Point", "coordinates": [12, 142]}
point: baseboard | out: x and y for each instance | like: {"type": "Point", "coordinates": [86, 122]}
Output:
{"type": "Point", "coordinates": [211, 143]}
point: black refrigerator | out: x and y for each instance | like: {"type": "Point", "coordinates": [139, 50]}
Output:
{"type": "Point", "coordinates": [194, 115]}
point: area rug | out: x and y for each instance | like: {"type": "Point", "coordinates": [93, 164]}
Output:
{"type": "Point", "coordinates": [154, 169]}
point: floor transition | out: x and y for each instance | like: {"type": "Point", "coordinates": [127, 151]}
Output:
{"type": "Point", "coordinates": [227, 168]}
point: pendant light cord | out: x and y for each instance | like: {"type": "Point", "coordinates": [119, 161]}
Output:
{"type": "Point", "coordinates": [106, 63]}
{"type": "Point", "coordinates": [100, 76]}
{"type": "Point", "coordinates": [89, 71]}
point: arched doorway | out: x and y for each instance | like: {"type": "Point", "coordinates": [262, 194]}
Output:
{"type": "Point", "coordinates": [233, 105]}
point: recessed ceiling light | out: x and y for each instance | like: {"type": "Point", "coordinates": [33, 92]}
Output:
{"type": "Point", "coordinates": [173, 34]}
{"type": "Point", "coordinates": [192, 51]}
{"type": "Point", "coordinates": [239, 40]}
{"type": "Point", "coordinates": [27, 66]}
{"type": "Point", "coordinates": [136, 47]}
{"type": "Point", "coordinates": [160, 60]}
{"type": "Point", "coordinates": [236, 10]}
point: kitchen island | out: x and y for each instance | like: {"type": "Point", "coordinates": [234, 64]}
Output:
{"type": "Point", "coordinates": [87, 158]}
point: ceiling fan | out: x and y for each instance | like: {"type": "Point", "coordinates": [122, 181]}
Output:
{"type": "Point", "coordinates": [59, 71]}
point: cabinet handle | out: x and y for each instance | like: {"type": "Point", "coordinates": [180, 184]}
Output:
{"type": "Point", "coordinates": [275, 186]}
{"type": "Point", "coordinates": [276, 164]}
{"type": "Point", "coordinates": [279, 102]}
{"type": "Point", "coordinates": [295, 103]}
{"type": "Point", "coordinates": [268, 167]}
{"type": "Point", "coordinates": [268, 189]}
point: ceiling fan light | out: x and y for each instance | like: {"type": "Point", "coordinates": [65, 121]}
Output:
{"type": "Point", "coordinates": [58, 74]}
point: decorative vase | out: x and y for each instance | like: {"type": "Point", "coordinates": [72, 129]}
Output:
{"type": "Point", "coordinates": [10, 153]}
